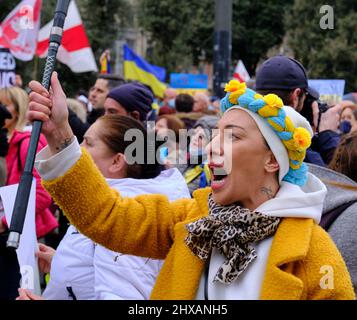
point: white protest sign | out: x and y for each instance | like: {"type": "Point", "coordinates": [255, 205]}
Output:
{"type": "Point", "coordinates": [28, 241]}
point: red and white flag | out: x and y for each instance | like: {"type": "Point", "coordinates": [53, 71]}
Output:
{"type": "Point", "coordinates": [75, 50]}
{"type": "Point", "coordinates": [19, 30]}
{"type": "Point", "coordinates": [241, 73]}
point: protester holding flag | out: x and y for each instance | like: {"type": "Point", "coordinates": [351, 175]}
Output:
{"type": "Point", "coordinates": [259, 182]}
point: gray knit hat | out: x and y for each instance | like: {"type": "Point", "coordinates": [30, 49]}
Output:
{"type": "Point", "coordinates": [207, 123]}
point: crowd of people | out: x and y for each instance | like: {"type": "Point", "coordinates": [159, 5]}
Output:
{"type": "Point", "coordinates": [247, 197]}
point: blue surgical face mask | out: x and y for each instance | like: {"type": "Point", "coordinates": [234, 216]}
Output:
{"type": "Point", "coordinates": [164, 152]}
{"type": "Point", "coordinates": [345, 126]}
{"type": "Point", "coordinates": [171, 103]}
{"type": "Point", "coordinates": [196, 151]}
{"type": "Point", "coordinates": [211, 108]}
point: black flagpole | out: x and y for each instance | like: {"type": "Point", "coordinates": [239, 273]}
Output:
{"type": "Point", "coordinates": [23, 191]}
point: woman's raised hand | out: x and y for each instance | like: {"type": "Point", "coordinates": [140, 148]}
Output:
{"type": "Point", "coordinates": [51, 109]}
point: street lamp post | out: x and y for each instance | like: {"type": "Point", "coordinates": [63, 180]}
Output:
{"type": "Point", "coordinates": [222, 45]}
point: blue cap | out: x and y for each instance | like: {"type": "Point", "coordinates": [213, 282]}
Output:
{"type": "Point", "coordinates": [133, 97]}
{"type": "Point", "coordinates": [281, 73]}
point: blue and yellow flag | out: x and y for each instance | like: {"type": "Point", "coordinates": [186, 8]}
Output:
{"type": "Point", "coordinates": [136, 68]}
{"type": "Point", "coordinates": [105, 64]}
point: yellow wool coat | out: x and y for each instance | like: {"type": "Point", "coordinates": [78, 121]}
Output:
{"type": "Point", "coordinates": [149, 225]}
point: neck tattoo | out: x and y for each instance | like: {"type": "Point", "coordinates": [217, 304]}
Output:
{"type": "Point", "coordinates": [268, 192]}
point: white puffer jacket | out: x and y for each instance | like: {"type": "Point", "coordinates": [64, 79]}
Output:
{"type": "Point", "coordinates": [83, 270]}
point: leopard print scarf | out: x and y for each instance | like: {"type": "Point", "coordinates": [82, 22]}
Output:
{"type": "Point", "coordinates": [232, 230]}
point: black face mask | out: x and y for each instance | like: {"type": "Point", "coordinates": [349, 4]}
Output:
{"type": "Point", "coordinates": [4, 114]}
{"type": "Point", "coordinates": [345, 126]}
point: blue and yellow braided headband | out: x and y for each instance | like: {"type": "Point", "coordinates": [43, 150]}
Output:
{"type": "Point", "coordinates": [270, 109]}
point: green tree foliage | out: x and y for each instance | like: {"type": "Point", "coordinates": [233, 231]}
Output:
{"type": "Point", "coordinates": [325, 53]}
{"type": "Point", "coordinates": [5, 7]}
{"type": "Point", "coordinates": [257, 27]}
{"type": "Point", "coordinates": [104, 20]}
{"type": "Point", "coordinates": [180, 31]}
{"type": "Point", "coordinates": [183, 30]}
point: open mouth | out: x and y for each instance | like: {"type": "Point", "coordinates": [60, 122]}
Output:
{"type": "Point", "coordinates": [219, 178]}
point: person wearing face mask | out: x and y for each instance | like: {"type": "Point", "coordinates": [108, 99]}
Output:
{"type": "Point", "coordinates": [348, 119]}
{"type": "Point", "coordinates": [196, 171]}
{"type": "Point", "coordinates": [168, 129]}
{"type": "Point", "coordinates": [253, 234]}
{"type": "Point", "coordinates": [168, 103]}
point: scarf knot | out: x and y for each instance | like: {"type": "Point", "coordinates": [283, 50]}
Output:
{"type": "Point", "coordinates": [231, 230]}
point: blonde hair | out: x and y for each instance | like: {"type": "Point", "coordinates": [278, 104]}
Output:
{"type": "Point", "coordinates": [20, 99]}
{"type": "Point", "coordinates": [345, 157]}
{"type": "Point", "coordinates": [78, 109]}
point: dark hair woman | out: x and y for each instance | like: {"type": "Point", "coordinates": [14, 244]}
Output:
{"type": "Point", "coordinates": [79, 268]}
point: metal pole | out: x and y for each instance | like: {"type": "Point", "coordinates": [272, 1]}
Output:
{"type": "Point", "coordinates": [222, 45]}
{"type": "Point", "coordinates": [119, 69]}
{"type": "Point", "coordinates": [23, 191]}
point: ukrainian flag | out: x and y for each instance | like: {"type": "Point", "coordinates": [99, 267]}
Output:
{"type": "Point", "coordinates": [105, 65]}
{"type": "Point", "coordinates": [136, 68]}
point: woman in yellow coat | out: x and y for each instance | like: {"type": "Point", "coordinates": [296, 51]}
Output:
{"type": "Point", "coordinates": [253, 235]}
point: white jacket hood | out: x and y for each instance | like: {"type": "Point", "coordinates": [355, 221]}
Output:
{"type": "Point", "coordinates": [170, 183]}
{"type": "Point", "coordinates": [293, 201]}
{"type": "Point", "coordinates": [73, 264]}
